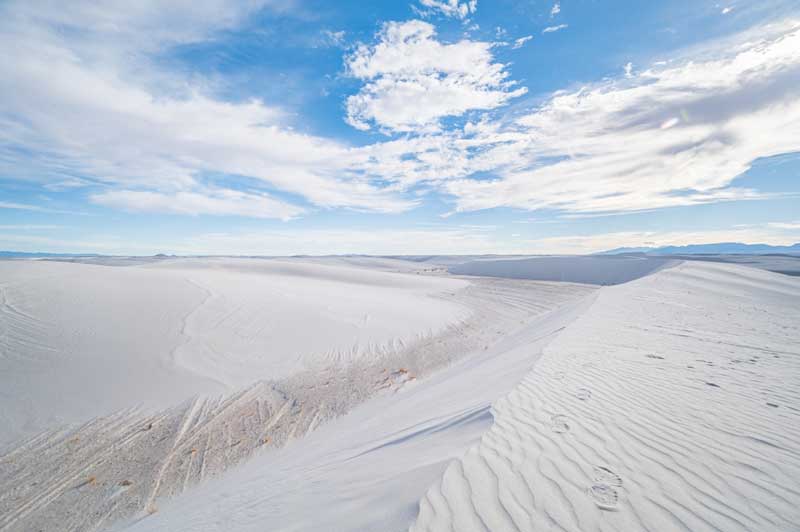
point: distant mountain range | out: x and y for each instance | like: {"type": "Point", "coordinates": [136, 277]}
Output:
{"type": "Point", "coordinates": [719, 248]}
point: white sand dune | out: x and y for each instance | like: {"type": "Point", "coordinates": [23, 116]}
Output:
{"type": "Point", "coordinates": [87, 475]}
{"type": "Point", "coordinates": [79, 340]}
{"type": "Point", "coordinates": [671, 402]}
{"type": "Point", "coordinates": [366, 471]}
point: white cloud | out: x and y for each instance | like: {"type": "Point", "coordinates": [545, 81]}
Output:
{"type": "Point", "coordinates": [628, 69]}
{"type": "Point", "coordinates": [409, 65]}
{"type": "Point", "coordinates": [147, 24]}
{"type": "Point", "coordinates": [333, 38]}
{"type": "Point", "coordinates": [551, 29]}
{"type": "Point", "coordinates": [82, 98]}
{"type": "Point", "coordinates": [555, 10]}
{"type": "Point", "coordinates": [35, 208]}
{"type": "Point", "coordinates": [674, 135]}
{"type": "Point", "coordinates": [726, 10]}
{"type": "Point", "coordinates": [67, 183]}
{"type": "Point", "coordinates": [214, 202]}
{"type": "Point", "coordinates": [519, 43]}
{"type": "Point", "coordinates": [452, 8]}
{"type": "Point", "coordinates": [789, 226]}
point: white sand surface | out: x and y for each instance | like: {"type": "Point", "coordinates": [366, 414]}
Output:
{"type": "Point", "coordinates": [668, 403]}
{"type": "Point", "coordinates": [130, 461]}
{"type": "Point", "coordinates": [367, 470]}
{"type": "Point", "coordinates": [80, 340]}
{"type": "Point", "coordinates": [671, 402]}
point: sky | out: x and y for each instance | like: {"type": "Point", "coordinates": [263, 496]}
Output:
{"type": "Point", "coordinates": [280, 127]}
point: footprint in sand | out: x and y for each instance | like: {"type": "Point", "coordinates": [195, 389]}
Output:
{"type": "Point", "coordinates": [604, 475]}
{"type": "Point", "coordinates": [604, 496]}
{"type": "Point", "coordinates": [559, 375]}
{"type": "Point", "coordinates": [584, 394]}
{"type": "Point", "coordinates": [559, 424]}
{"type": "Point", "coordinates": [604, 491]}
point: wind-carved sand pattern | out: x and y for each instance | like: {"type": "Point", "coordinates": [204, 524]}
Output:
{"type": "Point", "coordinates": [16, 338]}
{"type": "Point", "coordinates": [88, 476]}
{"type": "Point", "coordinates": [653, 446]}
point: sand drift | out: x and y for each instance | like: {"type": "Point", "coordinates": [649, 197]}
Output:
{"type": "Point", "coordinates": [381, 394]}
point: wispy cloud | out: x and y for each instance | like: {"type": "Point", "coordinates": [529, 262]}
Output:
{"type": "Point", "coordinates": [149, 130]}
{"type": "Point", "coordinates": [332, 38]}
{"type": "Point", "coordinates": [214, 202]}
{"type": "Point", "coordinates": [452, 8]}
{"type": "Point", "coordinates": [519, 43]}
{"type": "Point", "coordinates": [551, 29]}
{"type": "Point", "coordinates": [35, 208]}
{"type": "Point", "coordinates": [789, 226]}
{"type": "Point", "coordinates": [556, 9]}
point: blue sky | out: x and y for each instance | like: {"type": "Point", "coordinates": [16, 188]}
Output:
{"type": "Point", "coordinates": [425, 126]}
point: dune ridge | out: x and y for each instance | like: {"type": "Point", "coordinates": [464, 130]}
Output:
{"type": "Point", "coordinates": [686, 417]}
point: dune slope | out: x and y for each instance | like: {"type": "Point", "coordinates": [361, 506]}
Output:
{"type": "Point", "coordinates": [367, 470]}
{"type": "Point", "coordinates": [86, 476]}
{"type": "Point", "coordinates": [81, 340]}
{"type": "Point", "coordinates": [672, 404]}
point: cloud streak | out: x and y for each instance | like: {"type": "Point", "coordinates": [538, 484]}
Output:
{"type": "Point", "coordinates": [214, 202]}
{"type": "Point", "coordinates": [519, 43]}
{"type": "Point", "coordinates": [553, 29]}
{"type": "Point", "coordinates": [72, 103]}
{"type": "Point", "coordinates": [35, 208]}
